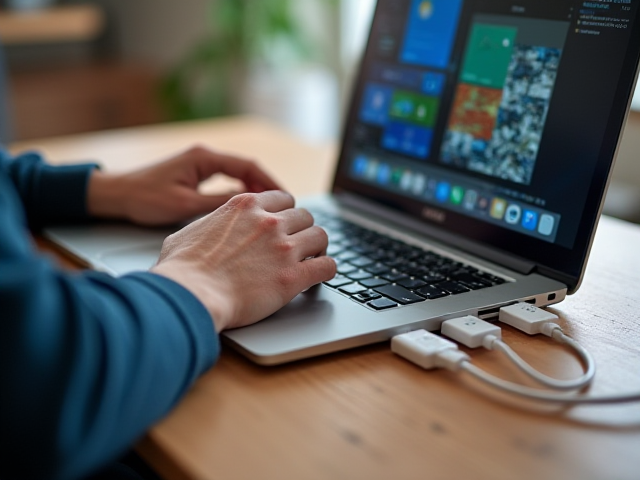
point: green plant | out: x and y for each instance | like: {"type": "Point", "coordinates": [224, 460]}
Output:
{"type": "Point", "coordinates": [241, 32]}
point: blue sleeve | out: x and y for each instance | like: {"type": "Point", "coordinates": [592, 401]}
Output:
{"type": "Point", "coordinates": [87, 362]}
{"type": "Point", "coordinates": [49, 194]}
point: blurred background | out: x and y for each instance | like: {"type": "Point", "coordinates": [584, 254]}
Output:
{"type": "Point", "coordinates": [74, 66]}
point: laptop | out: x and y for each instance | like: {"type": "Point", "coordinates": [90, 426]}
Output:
{"type": "Point", "coordinates": [475, 158]}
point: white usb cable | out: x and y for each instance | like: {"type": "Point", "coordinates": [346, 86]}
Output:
{"type": "Point", "coordinates": [474, 332]}
{"type": "Point", "coordinates": [431, 351]}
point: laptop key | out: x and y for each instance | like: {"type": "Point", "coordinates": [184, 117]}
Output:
{"type": "Point", "coordinates": [433, 278]}
{"type": "Point", "coordinates": [374, 282]}
{"type": "Point", "coordinates": [471, 281]}
{"type": "Point", "coordinates": [334, 249]}
{"type": "Point", "coordinates": [366, 296]}
{"type": "Point", "coordinates": [453, 288]}
{"type": "Point", "coordinates": [431, 293]}
{"type": "Point", "coordinates": [377, 269]}
{"type": "Point", "coordinates": [359, 275]}
{"type": "Point", "coordinates": [346, 255]}
{"type": "Point", "coordinates": [382, 304]}
{"type": "Point", "coordinates": [361, 261]}
{"type": "Point", "coordinates": [338, 281]}
{"type": "Point", "coordinates": [399, 294]}
{"type": "Point", "coordinates": [411, 283]}
{"type": "Point", "coordinates": [352, 289]}
{"type": "Point", "coordinates": [346, 268]}
{"type": "Point", "coordinates": [395, 275]}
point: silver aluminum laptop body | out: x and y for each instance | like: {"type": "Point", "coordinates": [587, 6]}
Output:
{"type": "Point", "coordinates": [533, 231]}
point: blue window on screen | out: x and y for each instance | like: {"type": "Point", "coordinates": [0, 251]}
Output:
{"type": "Point", "coordinates": [431, 32]}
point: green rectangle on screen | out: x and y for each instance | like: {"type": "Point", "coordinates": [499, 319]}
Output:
{"type": "Point", "coordinates": [414, 108]}
{"type": "Point", "coordinates": [488, 55]}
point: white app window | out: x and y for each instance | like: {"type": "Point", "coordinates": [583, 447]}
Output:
{"type": "Point", "coordinates": [372, 170]}
{"type": "Point", "coordinates": [547, 222]}
{"type": "Point", "coordinates": [419, 183]}
{"type": "Point", "coordinates": [470, 199]}
{"type": "Point", "coordinates": [513, 214]}
{"type": "Point", "coordinates": [406, 181]}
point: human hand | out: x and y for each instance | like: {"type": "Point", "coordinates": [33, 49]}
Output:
{"type": "Point", "coordinates": [249, 258]}
{"type": "Point", "coordinates": [167, 192]}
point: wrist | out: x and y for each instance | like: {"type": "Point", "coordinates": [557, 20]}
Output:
{"type": "Point", "coordinates": [216, 302]}
{"type": "Point", "coordinates": [105, 196]}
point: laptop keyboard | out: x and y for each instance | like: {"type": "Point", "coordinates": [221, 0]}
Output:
{"type": "Point", "coordinates": [382, 272]}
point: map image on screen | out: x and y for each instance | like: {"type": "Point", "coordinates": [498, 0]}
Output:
{"type": "Point", "coordinates": [501, 104]}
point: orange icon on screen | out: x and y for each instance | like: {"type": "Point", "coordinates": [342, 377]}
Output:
{"type": "Point", "coordinates": [498, 208]}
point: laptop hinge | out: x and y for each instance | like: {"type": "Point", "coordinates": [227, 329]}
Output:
{"type": "Point", "coordinates": [405, 222]}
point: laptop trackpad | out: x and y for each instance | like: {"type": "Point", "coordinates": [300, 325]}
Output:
{"type": "Point", "coordinates": [131, 259]}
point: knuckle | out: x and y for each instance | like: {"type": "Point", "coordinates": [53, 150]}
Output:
{"type": "Point", "coordinates": [244, 201]}
{"type": "Point", "coordinates": [287, 278]}
{"type": "Point", "coordinates": [269, 223]}
{"type": "Point", "coordinates": [285, 247]}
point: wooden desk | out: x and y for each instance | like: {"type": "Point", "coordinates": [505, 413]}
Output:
{"type": "Point", "coordinates": [367, 414]}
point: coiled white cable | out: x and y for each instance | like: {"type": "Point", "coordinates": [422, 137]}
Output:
{"type": "Point", "coordinates": [431, 351]}
{"type": "Point", "coordinates": [474, 332]}
{"type": "Point", "coordinates": [554, 383]}
{"type": "Point", "coordinates": [533, 394]}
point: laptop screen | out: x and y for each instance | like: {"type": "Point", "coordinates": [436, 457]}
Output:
{"type": "Point", "coordinates": [497, 120]}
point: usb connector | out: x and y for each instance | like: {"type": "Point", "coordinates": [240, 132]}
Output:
{"type": "Point", "coordinates": [471, 332]}
{"type": "Point", "coordinates": [427, 350]}
{"type": "Point", "coordinates": [528, 319]}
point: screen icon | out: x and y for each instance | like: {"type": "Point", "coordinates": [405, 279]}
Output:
{"type": "Point", "coordinates": [372, 171]}
{"type": "Point", "coordinates": [498, 207]}
{"type": "Point", "coordinates": [442, 192]}
{"type": "Point", "coordinates": [483, 203]}
{"type": "Point", "coordinates": [419, 183]}
{"type": "Point", "coordinates": [547, 222]}
{"type": "Point", "coordinates": [384, 174]}
{"type": "Point", "coordinates": [513, 215]}
{"type": "Point", "coordinates": [406, 182]}
{"type": "Point", "coordinates": [470, 199]}
{"type": "Point", "coordinates": [530, 220]}
{"type": "Point", "coordinates": [457, 195]}
{"type": "Point", "coordinates": [396, 176]}
{"type": "Point", "coordinates": [360, 165]}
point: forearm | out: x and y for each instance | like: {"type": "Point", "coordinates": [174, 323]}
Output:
{"type": "Point", "coordinates": [49, 194]}
{"type": "Point", "coordinates": [87, 362]}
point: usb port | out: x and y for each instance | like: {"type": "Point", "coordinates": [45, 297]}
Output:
{"type": "Point", "coordinates": [488, 313]}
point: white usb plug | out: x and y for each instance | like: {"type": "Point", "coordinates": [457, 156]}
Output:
{"type": "Point", "coordinates": [471, 332]}
{"type": "Point", "coordinates": [528, 319]}
{"type": "Point", "coordinates": [427, 350]}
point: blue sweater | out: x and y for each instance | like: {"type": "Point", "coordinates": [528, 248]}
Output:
{"type": "Point", "coordinates": [87, 362]}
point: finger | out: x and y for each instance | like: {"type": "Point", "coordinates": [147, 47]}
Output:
{"type": "Point", "coordinates": [296, 219]}
{"type": "Point", "coordinates": [275, 201]}
{"type": "Point", "coordinates": [310, 242]}
{"type": "Point", "coordinates": [254, 177]}
{"type": "Point", "coordinates": [316, 270]}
